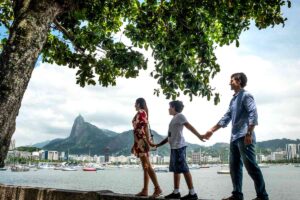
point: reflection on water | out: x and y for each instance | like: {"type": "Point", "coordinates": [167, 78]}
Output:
{"type": "Point", "coordinates": [282, 182]}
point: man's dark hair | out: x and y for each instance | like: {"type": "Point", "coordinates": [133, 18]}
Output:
{"type": "Point", "coordinates": [241, 77]}
{"type": "Point", "coordinates": [177, 105]}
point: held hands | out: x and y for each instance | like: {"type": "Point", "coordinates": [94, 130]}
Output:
{"type": "Point", "coordinates": [202, 138]}
{"type": "Point", "coordinates": [152, 144]}
{"type": "Point", "coordinates": [208, 134]}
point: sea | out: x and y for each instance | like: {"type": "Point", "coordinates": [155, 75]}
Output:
{"type": "Point", "coordinates": [282, 181]}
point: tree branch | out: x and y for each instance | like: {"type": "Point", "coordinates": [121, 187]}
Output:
{"type": "Point", "coordinates": [69, 35]}
{"type": "Point", "coordinates": [5, 24]}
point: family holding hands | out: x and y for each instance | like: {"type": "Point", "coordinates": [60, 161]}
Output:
{"type": "Point", "coordinates": [243, 115]}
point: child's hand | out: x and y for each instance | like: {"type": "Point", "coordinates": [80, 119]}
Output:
{"type": "Point", "coordinates": [202, 138]}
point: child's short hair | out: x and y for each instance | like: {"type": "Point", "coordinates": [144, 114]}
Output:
{"type": "Point", "coordinates": [178, 105]}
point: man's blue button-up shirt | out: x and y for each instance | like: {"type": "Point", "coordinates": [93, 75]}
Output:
{"type": "Point", "coordinates": [242, 112]}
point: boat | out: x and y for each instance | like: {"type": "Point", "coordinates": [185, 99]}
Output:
{"type": "Point", "coordinates": [223, 171]}
{"type": "Point", "coordinates": [263, 165]}
{"type": "Point", "coordinates": [89, 169]}
{"type": "Point", "coordinates": [161, 169]}
{"type": "Point", "coordinates": [19, 168]}
{"type": "Point", "coordinates": [194, 166]}
{"type": "Point", "coordinates": [69, 169]}
{"type": "Point", "coordinates": [45, 166]}
{"type": "Point", "coordinates": [58, 168]}
{"type": "Point", "coordinates": [100, 168]}
{"type": "Point", "coordinates": [204, 166]}
{"type": "Point", "coordinates": [3, 169]}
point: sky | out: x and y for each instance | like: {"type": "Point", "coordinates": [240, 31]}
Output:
{"type": "Point", "coordinates": [270, 58]}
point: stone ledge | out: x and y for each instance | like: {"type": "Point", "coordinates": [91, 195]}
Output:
{"type": "Point", "coordinates": [12, 192]}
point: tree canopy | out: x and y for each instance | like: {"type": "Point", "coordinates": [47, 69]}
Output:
{"type": "Point", "coordinates": [181, 33]}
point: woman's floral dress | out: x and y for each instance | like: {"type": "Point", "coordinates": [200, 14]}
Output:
{"type": "Point", "coordinates": [140, 122]}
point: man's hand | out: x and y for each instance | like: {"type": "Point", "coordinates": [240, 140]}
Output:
{"type": "Point", "coordinates": [248, 139]}
{"type": "Point", "coordinates": [208, 134]}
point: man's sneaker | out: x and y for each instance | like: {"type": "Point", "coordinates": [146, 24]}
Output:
{"type": "Point", "coordinates": [231, 198]}
{"type": "Point", "coordinates": [190, 197]}
{"type": "Point", "coordinates": [173, 196]}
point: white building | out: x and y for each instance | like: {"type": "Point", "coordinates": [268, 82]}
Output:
{"type": "Point", "coordinates": [133, 160]}
{"type": "Point", "coordinates": [196, 157]}
{"type": "Point", "coordinates": [166, 159]}
{"type": "Point", "coordinates": [291, 150]}
{"type": "Point", "coordinates": [278, 155]}
{"type": "Point", "coordinates": [99, 159]}
{"type": "Point", "coordinates": [12, 145]}
{"type": "Point", "coordinates": [52, 155]}
{"type": "Point", "coordinates": [62, 156]}
{"type": "Point", "coordinates": [35, 155]}
{"type": "Point", "coordinates": [119, 159]}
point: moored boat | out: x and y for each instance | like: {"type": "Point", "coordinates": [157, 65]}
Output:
{"type": "Point", "coordinates": [69, 169]}
{"type": "Point", "coordinates": [89, 169]}
{"type": "Point", "coordinates": [223, 171]}
{"type": "Point", "coordinates": [263, 165]}
{"type": "Point", "coordinates": [19, 168]}
{"type": "Point", "coordinates": [161, 169]}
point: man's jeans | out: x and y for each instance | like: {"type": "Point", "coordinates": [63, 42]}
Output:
{"type": "Point", "coordinates": [239, 154]}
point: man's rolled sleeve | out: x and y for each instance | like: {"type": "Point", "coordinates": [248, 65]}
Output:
{"type": "Point", "coordinates": [225, 119]}
{"type": "Point", "coordinates": [250, 106]}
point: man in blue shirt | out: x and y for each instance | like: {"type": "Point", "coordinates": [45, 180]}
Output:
{"type": "Point", "coordinates": [243, 115]}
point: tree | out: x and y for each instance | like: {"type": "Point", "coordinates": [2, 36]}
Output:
{"type": "Point", "coordinates": [182, 35]}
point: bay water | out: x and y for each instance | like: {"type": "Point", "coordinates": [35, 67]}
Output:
{"type": "Point", "coordinates": [282, 181]}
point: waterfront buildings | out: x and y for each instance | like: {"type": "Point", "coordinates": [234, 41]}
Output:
{"type": "Point", "coordinates": [291, 151]}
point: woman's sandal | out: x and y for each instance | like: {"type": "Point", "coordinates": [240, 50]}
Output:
{"type": "Point", "coordinates": [157, 192]}
{"type": "Point", "coordinates": [143, 193]}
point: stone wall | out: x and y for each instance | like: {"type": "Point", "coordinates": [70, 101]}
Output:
{"type": "Point", "coordinates": [11, 192]}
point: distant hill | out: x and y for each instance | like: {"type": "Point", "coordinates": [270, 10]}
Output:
{"type": "Point", "coordinates": [276, 144]}
{"type": "Point", "coordinates": [41, 144]}
{"type": "Point", "coordinates": [86, 138]}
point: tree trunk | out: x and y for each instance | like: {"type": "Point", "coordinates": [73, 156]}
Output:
{"type": "Point", "coordinates": [27, 36]}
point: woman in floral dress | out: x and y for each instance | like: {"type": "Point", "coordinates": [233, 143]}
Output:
{"type": "Point", "coordinates": [142, 145]}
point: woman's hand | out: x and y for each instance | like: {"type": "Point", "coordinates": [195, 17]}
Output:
{"type": "Point", "coordinates": [132, 150]}
{"type": "Point", "coordinates": [151, 144]}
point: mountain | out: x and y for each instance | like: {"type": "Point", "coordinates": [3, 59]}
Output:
{"type": "Point", "coordinates": [276, 144]}
{"type": "Point", "coordinates": [85, 138]}
{"type": "Point", "coordinates": [41, 144]}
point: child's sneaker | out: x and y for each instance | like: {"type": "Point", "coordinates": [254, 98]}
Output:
{"type": "Point", "coordinates": [190, 197]}
{"type": "Point", "coordinates": [173, 196]}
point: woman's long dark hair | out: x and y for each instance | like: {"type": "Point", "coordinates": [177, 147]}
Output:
{"type": "Point", "coordinates": [142, 103]}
